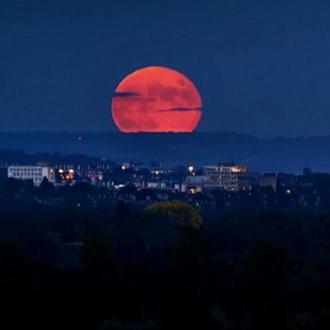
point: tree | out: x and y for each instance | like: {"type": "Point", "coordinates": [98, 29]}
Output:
{"type": "Point", "coordinates": [12, 266]}
{"type": "Point", "coordinates": [95, 256]}
{"type": "Point", "coordinates": [46, 188]}
{"type": "Point", "coordinates": [270, 272]}
{"type": "Point", "coordinates": [177, 212]}
{"type": "Point", "coordinates": [188, 291]}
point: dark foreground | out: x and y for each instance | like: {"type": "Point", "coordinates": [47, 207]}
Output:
{"type": "Point", "coordinates": [160, 268]}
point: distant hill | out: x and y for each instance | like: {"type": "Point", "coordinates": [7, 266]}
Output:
{"type": "Point", "coordinates": [277, 154]}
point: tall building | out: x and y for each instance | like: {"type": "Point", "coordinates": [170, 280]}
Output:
{"type": "Point", "coordinates": [227, 176]}
{"type": "Point", "coordinates": [212, 172]}
{"type": "Point", "coordinates": [34, 173]}
{"type": "Point", "coordinates": [230, 176]}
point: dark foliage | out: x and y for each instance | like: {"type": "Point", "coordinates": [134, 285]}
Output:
{"type": "Point", "coordinates": [81, 266]}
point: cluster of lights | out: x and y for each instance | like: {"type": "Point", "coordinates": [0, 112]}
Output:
{"type": "Point", "coordinates": [236, 169]}
{"type": "Point", "coordinates": [67, 176]}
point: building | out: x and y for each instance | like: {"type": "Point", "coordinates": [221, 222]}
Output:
{"type": "Point", "coordinates": [34, 173]}
{"type": "Point", "coordinates": [194, 183]}
{"type": "Point", "coordinates": [212, 173]}
{"type": "Point", "coordinates": [227, 176]}
{"type": "Point", "coordinates": [268, 180]}
{"type": "Point", "coordinates": [231, 175]}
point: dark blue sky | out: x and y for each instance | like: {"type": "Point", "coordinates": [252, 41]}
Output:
{"type": "Point", "coordinates": [262, 67]}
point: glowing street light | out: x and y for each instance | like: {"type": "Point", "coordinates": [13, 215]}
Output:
{"type": "Point", "coordinates": [191, 169]}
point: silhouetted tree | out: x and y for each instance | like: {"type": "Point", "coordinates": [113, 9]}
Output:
{"type": "Point", "coordinates": [269, 279]}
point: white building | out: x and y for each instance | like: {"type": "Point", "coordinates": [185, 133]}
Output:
{"type": "Point", "coordinates": [194, 183]}
{"type": "Point", "coordinates": [227, 176]}
{"type": "Point", "coordinates": [34, 173]}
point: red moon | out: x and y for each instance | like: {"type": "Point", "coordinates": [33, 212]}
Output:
{"type": "Point", "coordinates": [156, 99]}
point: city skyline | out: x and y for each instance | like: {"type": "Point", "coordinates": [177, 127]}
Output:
{"type": "Point", "coordinates": [165, 164]}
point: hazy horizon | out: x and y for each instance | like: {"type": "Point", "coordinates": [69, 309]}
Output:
{"type": "Point", "coordinates": [269, 137]}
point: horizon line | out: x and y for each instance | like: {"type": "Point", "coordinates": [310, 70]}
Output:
{"type": "Point", "coordinates": [81, 132]}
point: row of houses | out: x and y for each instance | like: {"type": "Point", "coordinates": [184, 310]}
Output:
{"type": "Point", "coordinates": [225, 176]}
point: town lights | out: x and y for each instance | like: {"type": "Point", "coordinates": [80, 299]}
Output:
{"type": "Point", "coordinates": [191, 169]}
{"type": "Point", "coordinates": [236, 169]}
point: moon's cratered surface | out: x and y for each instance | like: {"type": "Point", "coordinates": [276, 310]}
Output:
{"type": "Point", "coordinates": [156, 99]}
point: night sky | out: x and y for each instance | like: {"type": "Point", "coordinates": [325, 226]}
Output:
{"type": "Point", "coordinates": [261, 67]}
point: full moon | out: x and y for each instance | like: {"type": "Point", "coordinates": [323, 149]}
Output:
{"type": "Point", "coordinates": [156, 99]}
